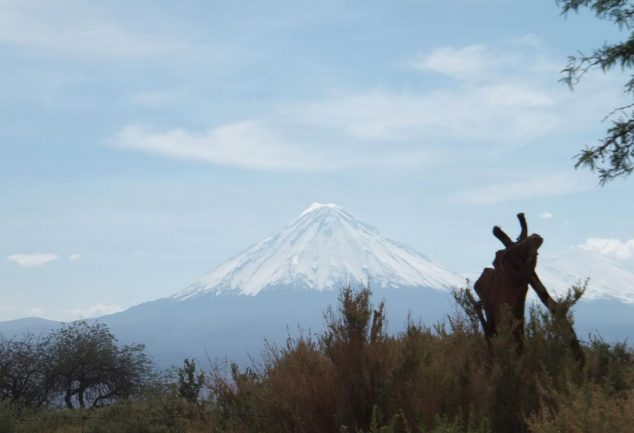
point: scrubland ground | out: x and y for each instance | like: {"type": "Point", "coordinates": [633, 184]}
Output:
{"type": "Point", "coordinates": [354, 377]}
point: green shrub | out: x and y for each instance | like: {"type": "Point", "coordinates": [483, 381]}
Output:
{"type": "Point", "coordinates": [356, 378]}
{"type": "Point", "coordinates": [7, 418]}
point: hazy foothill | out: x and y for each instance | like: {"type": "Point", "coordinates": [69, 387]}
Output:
{"type": "Point", "coordinates": [327, 324]}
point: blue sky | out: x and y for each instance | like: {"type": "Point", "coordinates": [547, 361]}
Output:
{"type": "Point", "coordinates": [142, 143]}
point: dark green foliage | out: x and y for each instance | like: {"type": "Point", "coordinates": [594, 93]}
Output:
{"type": "Point", "coordinates": [351, 343]}
{"type": "Point", "coordinates": [91, 369]}
{"type": "Point", "coordinates": [80, 364]}
{"type": "Point", "coordinates": [189, 382]}
{"type": "Point", "coordinates": [614, 155]}
{"type": "Point", "coordinates": [26, 376]}
{"type": "Point", "coordinates": [158, 414]}
{"type": "Point", "coordinates": [608, 367]}
{"type": "Point", "coordinates": [7, 417]}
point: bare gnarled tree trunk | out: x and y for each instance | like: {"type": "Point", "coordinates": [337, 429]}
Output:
{"type": "Point", "coordinates": [505, 286]}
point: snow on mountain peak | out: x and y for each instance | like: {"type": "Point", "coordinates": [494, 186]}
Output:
{"type": "Point", "coordinates": [325, 248]}
{"type": "Point", "coordinates": [606, 278]}
{"type": "Point", "coordinates": [317, 206]}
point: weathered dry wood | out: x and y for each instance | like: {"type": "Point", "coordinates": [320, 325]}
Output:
{"type": "Point", "coordinates": [505, 286]}
{"type": "Point", "coordinates": [542, 293]}
{"type": "Point", "coordinates": [480, 314]}
{"type": "Point", "coordinates": [503, 237]}
{"type": "Point", "coordinates": [477, 305]}
{"type": "Point", "coordinates": [523, 225]}
{"type": "Point", "coordinates": [555, 308]}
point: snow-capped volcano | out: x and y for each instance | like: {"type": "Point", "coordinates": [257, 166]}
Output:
{"type": "Point", "coordinates": [324, 249]}
{"type": "Point", "coordinates": [297, 274]}
{"type": "Point", "coordinates": [607, 279]}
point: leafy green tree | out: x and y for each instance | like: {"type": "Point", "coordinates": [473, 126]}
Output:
{"type": "Point", "coordinates": [26, 377]}
{"type": "Point", "coordinates": [613, 156]}
{"type": "Point", "coordinates": [354, 335]}
{"type": "Point", "coordinates": [91, 369]}
{"type": "Point", "coordinates": [190, 383]}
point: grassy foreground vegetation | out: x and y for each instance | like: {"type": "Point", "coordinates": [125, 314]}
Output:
{"type": "Point", "coordinates": [354, 377]}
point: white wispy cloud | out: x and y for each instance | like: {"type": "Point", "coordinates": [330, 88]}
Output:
{"type": "Point", "coordinates": [63, 315]}
{"type": "Point", "coordinates": [74, 257]}
{"type": "Point", "coordinates": [19, 312]}
{"type": "Point", "coordinates": [248, 144]}
{"type": "Point", "coordinates": [37, 311]}
{"type": "Point", "coordinates": [464, 63]}
{"type": "Point", "coordinates": [545, 215]}
{"type": "Point", "coordinates": [515, 101]}
{"type": "Point", "coordinates": [524, 58]}
{"type": "Point", "coordinates": [496, 113]}
{"type": "Point", "coordinates": [75, 28]}
{"type": "Point", "coordinates": [372, 128]}
{"type": "Point", "coordinates": [273, 146]}
{"type": "Point", "coordinates": [542, 186]}
{"type": "Point", "coordinates": [32, 260]}
{"type": "Point", "coordinates": [92, 311]}
{"type": "Point", "coordinates": [614, 248]}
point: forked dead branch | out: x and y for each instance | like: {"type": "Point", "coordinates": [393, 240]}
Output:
{"type": "Point", "coordinates": [505, 286]}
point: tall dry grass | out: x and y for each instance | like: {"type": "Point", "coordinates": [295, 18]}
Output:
{"type": "Point", "coordinates": [355, 377]}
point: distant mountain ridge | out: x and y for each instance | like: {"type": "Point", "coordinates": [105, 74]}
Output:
{"type": "Point", "coordinates": [284, 283]}
{"type": "Point", "coordinates": [607, 279]}
{"type": "Point", "coordinates": [325, 248]}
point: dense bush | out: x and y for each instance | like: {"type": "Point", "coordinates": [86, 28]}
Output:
{"type": "Point", "coordinates": [80, 364]}
{"type": "Point", "coordinates": [356, 378]}
{"type": "Point", "coordinates": [26, 377]}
